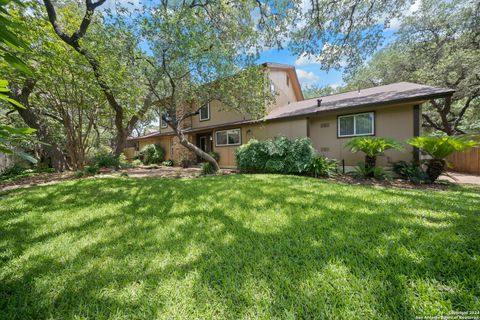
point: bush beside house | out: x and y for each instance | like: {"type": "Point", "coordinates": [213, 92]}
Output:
{"type": "Point", "coordinates": [281, 155]}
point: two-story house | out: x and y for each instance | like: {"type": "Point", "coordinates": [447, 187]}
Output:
{"type": "Point", "coordinates": [386, 111]}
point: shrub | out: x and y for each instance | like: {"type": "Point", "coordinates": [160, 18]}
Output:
{"type": "Point", "coordinates": [13, 170]}
{"type": "Point", "coordinates": [87, 171]}
{"type": "Point", "coordinates": [185, 163]}
{"type": "Point", "coordinates": [274, 166]}
{"type": "Point", "coordinates": [439, 148]}
{"type": "Point", "coordinates": [279, 155]}
{"type": "Point", "coordinates": [136, 163]}
{"type": "Point", "coordinates": [364, 171]}
{"type": "Point", "coordinates": [123, 163]}
{"type": "Point", "coordinates": [411, 171]}
{"type": "Point", "coordinates": [372, 147]}
{"type": "Point", "coordinates": [253, 156]}
{"type": "Point", "coordinates": [152, 154]}
{"type": "Point", "coordinates": [104, 159]}
{"type": "Point", "coordinates": [207, 168]}
{"type": "Point", "coordinates": [321, 166]}
{"type": "Point", "coordinates": [214, 155]}
{"type": "Point", "coordinates": [168, 163]}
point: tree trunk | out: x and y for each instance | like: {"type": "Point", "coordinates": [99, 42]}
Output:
{"type": "Point", "coordinates": [435, 167]}
{"type": "Point", "coordinates": [53, 151]}
{"type": "Point", "coordinates": [199, 152]}
{"type": "Point", "coordinates": [370, 161]}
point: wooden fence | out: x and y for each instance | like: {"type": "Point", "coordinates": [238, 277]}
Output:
{"type": "Point", "coordinates": [466, 162]}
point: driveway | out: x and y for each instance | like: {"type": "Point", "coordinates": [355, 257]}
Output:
{"type": "Point", "coordinates": [462, 178]}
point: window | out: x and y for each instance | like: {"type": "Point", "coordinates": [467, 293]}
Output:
{"type": "Point", "coordinates": [227, 137]}
{"type": "Point", "coordinates": [360, 124]}
{"type": "Point", "coordinates": [205, 112]}
{"type": "Point", "coordinates": [272, 87]}
{"type": "Point", "coordinates": [288, 81]}
{"type": "Point", "coordinates": [163, 123]}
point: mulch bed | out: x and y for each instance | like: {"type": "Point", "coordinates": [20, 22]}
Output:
{"type": "Point", "coordinates": [39, 179]}
{"type": "Point", "coordinates": [176, 172]}
{"type": "Point", "coordinates": [393, 183]}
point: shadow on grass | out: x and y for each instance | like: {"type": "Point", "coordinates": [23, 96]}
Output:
{"type": "Point", "coordinates": [237, 246]}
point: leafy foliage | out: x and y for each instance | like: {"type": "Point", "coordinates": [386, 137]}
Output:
{"type": "Point", "coordinates": [90, 170]}
{"type": "Point", "coordinates": [215, 155]}
{"type": "Point", "coordinates": [440, 147]}
{"type": "Point", "coordinates": [168, 163]}
{"type": "Point", "coordinates": [412, 171]}
{"type": "Point", "coordinates": [279, 155]}
{"type": "Point", "coordinates": [10, 45]}
{"type": "Point", "coordinates": [321, 166]}
{"type": "Point", "coordinates": [105, 159]}
{"type": "Point", "coordinates": [372, 146]}
{"type": "Point", "coordinates": [152, 154]}
{"type": "Point", "coordinates": [364, 171]}
{"type": "Point", "coordinates": [437, 45]}
{"type": "Point", "coordinates": [13, 170]}
{"type": "Point", "coordinates": [207, 168]}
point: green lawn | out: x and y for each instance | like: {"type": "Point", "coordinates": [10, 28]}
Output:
{"type": "Point", "coordinates": [237, 246]}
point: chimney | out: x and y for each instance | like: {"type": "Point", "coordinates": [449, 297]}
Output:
{"type": "Point", "coordinates": [319, 103]}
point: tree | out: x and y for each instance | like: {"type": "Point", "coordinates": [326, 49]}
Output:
{"type": "Point", "coordinates": [438, 148]}
{"type": "Point", "coordinates": [10, 44]}
{"type": "Point", "coordinates": [341, 34]}
{"type": "Point", "coordinates": [210, 49]}
{"type": "Point", "coordinates": [123, 126]}
{"type": "Point", "coordinates": [372, 147]}
{"type": "Point", "coordinates": [311, 92]}
{"type": "Point", "coordinates": [439, 45]}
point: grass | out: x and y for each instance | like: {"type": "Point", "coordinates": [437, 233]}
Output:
{"type": "Point", "coordinates": [237, 246]}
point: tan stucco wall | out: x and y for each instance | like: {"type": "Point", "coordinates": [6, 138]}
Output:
{"type": "Point", "coordinates": [394, 122]}
{"type": "Point", "coordinates": [165, 142]}
{"type": "Point", "coordinates": [218, 115]}
{"type": "Point", "coordinates": [284, 92]}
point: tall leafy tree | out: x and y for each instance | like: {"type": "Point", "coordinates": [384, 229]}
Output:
{"type": "Point", "coordinates": [75, 35]}
{"type": "Point", "coordinates": [438, 45]}
{"type": "Point", "coordinates": [10, 45]}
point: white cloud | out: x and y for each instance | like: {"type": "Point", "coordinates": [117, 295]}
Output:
{"type": "Point", "coordinates": [307, 77]}
{"type": "Point", "coordinates": [395, 23]}
{"type": "Point", "coordinates": [334, 86]}
{"type": "Point", "coordinates": [305, 60]}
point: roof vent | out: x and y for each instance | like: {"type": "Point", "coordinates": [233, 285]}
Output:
{"type": "Point", "coordinates": [319, 102]}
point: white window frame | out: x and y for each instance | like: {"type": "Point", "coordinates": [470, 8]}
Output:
{"type": "Point", "coordinates": [228, 144]}
{"type": "Point", "coordinates": [355, 134]}
{"type": "Point", "coordinates": [200, 112]}
{"type": "Point", "coordinates": [163, 123]}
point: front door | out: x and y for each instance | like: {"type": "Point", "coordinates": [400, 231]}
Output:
{"type": "Point", "coordinates": [204, 142]}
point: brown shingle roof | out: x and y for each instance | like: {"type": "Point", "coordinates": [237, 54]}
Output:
{"type": "Point", "coordinates": [388, 94]}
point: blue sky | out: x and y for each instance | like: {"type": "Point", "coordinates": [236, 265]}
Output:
{"type": "Point", "coordinates": [308, 71]}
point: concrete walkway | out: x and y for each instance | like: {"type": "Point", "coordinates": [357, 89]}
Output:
{"type": "Point", "coordinates": [461, 178]}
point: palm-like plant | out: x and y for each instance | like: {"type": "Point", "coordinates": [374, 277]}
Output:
{"type": "Point", "coordinates": [439, 148]}
{"type": "Point", "coordinates": [372, 147]}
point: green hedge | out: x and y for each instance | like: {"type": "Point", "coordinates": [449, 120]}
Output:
{"type": "Point", "coordinates": [279, 155]}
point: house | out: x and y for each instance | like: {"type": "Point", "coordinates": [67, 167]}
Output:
{"type": "Point", "coordinates": [392, 110]}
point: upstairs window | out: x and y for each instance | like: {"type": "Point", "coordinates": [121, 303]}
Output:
{"type": "Point", "coordinates": [163, 123]}
{"type": "Point", "coordinates": [204, 113]}
{"type": "Point", "coordinates": [360, 124]}
{"type": "Point", "coordinates": [288, 81]}
{"type": "Point", "coordinates": [272, 87]}
{"type": "Point", "coordinates": [227, 137]}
